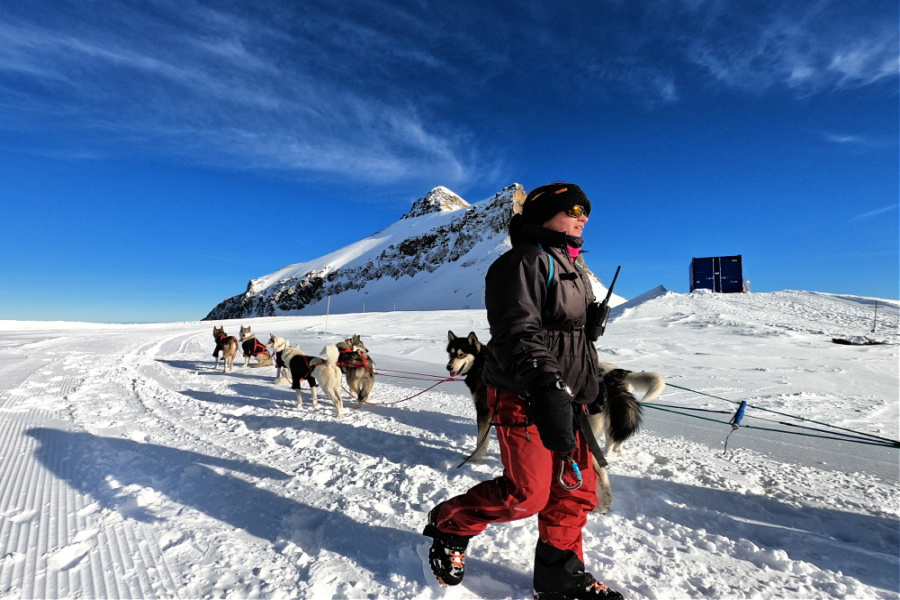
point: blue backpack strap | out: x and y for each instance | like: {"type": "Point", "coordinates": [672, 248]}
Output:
{"type": "Point", "coordinates": [550, 276]}
{"type": "Point", "coordinates": [552, 262]}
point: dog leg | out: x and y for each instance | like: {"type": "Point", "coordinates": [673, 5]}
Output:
{"type": "Point", "coordinates": [604, 492]}
{"type": "Point", "coordinates": [609, 446]}
{"type": "Point", "coordinates": [338, 401]}
{"type": "Point", "coordinates": [365, 388]}
{"type": "Point", "coordinates": [312, 390]}
{"type": "Point", "coordinates": [299, 398]}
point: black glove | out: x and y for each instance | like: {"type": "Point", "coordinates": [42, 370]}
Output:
{"type": "Point", "coordinates": [551, 409]}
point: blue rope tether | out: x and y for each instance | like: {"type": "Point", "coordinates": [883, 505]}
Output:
{"type": "Point", "coordinates": [735, 423]}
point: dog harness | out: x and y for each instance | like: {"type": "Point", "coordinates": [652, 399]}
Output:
{"type": "Point", "coordinates": [220, 341]}
{"type": "Point", "coordinates": [305, 359]}
{"type": "Point", "coordinates": [363, 362]}
{"type": "Point", "coordinates": [258, 348]}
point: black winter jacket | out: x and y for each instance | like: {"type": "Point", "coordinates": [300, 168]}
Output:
{"type": "Point", "coordinates": [537, 329]}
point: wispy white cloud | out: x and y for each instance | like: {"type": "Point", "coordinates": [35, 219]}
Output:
{"type": "Point", "coordinates": [875, 213]}
{"type": "Point", "coordinates": [657, 52]}
{"type": "Point", "coordinates": [808, 47]}
{"type": "Point", "coordinates": [373, 89]}
{"type": "Point", "coordinates": [860, 141]}
{"type": "Point", "coordinates": [240, 92]}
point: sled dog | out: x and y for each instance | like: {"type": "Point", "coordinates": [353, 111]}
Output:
{"type": "Point", "coordinates": [227, 345]}
{"type": "Point", "coordinates": [359, 368]}
{"type": "Point", "coordinates": [253, 347]}
{"type": "Point", "coordinates": [621, 385]}
{"type": "Point", "coordinates": [621, 416]}
{"type": "Point", "coordinates": [276, 346]}
{"type": "Point", "coordinates": [618, 420]}
{"type": "Point", "coordinates": [466, 357]}
{"type": "Point", "coordinates": [313, 369]}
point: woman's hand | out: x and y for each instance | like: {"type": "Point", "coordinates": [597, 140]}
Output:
{"type": "Point", "coordinates": [551, 409]}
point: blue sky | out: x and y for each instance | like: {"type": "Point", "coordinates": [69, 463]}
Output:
{"type": "Point", "coordinates": [157, 155]}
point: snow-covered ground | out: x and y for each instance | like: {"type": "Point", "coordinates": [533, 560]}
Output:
{"type": "Point", "coordinates": [130, 469]}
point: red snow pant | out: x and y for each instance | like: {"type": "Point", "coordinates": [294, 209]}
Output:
{"type": "Point", "coordinates": [529, 485]}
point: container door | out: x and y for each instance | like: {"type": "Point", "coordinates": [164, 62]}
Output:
{"type": "Point", "coordinates": [731, 278]}
{"type": "Point", "coordinates": [703, 274]}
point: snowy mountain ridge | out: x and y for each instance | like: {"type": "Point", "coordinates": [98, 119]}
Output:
{"type": "Point", "coordinates": [434, 258]}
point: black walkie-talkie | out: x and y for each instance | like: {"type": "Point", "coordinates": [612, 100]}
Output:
{"type": "Point", "coordinates": [598, 313]}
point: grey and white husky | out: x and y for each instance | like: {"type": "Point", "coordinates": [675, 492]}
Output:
{"type": "Point", "coordinates": [253, 347]}
{"type": "Point", "coordinates": [359, 368]}
{"type": "Point", "coordinates": [621, 416]}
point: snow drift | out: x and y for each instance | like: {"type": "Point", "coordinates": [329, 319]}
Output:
{"type": "Point", "coordinates": [130, 469]}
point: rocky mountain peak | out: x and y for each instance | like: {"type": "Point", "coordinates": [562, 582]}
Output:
{"type": "Point", "coordinates": [440, 199]}
{"type": "Point", "coordinates": [437, 263]}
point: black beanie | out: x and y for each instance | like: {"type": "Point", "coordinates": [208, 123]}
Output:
{"type": "Point", "coordinates": [544, 202]}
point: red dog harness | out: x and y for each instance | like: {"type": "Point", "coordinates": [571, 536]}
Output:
{"type": "Point", "coordinates": [362, 357]}
{"type": "Point", "coordinates": [259, 348]}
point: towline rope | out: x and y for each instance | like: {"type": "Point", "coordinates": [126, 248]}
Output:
{"type": "Point", "coordinates": [415, 377]}
{"type": "Point", "coordinates": [852, 436]}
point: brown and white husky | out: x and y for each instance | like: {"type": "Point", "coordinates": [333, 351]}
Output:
{"type": "Point", "coordinates": [227, 345]}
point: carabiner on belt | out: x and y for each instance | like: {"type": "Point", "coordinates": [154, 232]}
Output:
{"type": "Point", "coordinates": [568, 460]}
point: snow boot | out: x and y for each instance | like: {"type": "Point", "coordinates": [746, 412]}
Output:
{"type": "Point", "coordinates": [590, 589]}
{"type": "Point", "coordinates": [447, 555]}
{"type": "Point", "coordinates": [560, 575]}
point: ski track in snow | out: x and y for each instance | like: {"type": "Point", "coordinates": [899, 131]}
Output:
{"type": "Point", "coordinates": [131, 469]}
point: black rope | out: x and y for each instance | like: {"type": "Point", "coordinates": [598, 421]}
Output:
{"type": "Point", "coordinates": [883, 440]}
{"type": "Point", "coordinates": [888, 444]}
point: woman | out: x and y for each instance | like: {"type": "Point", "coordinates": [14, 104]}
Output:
{"type": "Point", "coordinates": [541, 368]}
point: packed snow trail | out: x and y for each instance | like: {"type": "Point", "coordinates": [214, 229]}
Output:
{"type": "Point", "coordinates": [131, 469]}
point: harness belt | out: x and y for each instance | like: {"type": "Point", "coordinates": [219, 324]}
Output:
{"type": "Point", "coordinates": [585, 426]}
{"type": "Point", "coordinates": [568, 326]}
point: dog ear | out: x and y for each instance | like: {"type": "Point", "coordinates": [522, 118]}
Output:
{"type": "Point", "coordinates": [473, 339]}
{"type": "Point", "coordinates": [450, 336]}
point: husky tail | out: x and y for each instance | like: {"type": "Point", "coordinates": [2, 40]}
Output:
{"type": "Point", "coordinates": [625, 412]}
{"type": "Point", "coordinates": [332, 354]}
